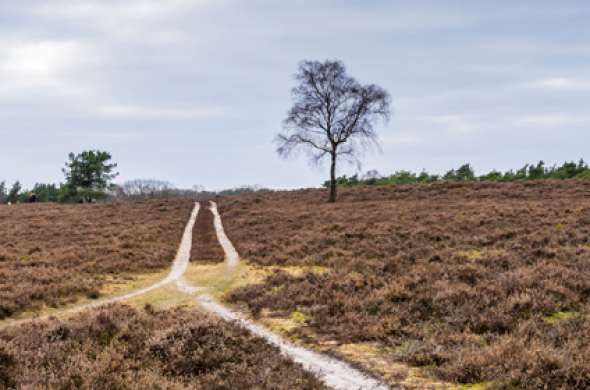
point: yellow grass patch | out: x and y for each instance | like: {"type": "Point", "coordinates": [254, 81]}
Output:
{"type": "Point", "coordinates": [112, 287]}
{"type": "Point", "coordinates": [378, 360]}
{"type": "Point", "coordinates": [477, 254]}
{"type": "Point", "coordinates": [166, 297]}
{"type": "Point", "coordinates": [280, 325]}
{"type": "Point", "coordinates": [218, 279]}
{"type": "Point", "coordinates": [559, 316]}
{"type": "Point", "coordinates": [560, 226]}
{"type": "Point", "coordinates": [122, 284]}
{"type": "Point", "coordinates": [476, 386]}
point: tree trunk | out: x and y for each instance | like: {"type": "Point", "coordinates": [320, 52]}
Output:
{"type": "Point", "coordinates": [332, 198]}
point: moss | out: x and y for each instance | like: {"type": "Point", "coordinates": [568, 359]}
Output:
{"type": "Point", "coordinates": [559, 316]}
{"type": "Point", "coordinates": [476, 386]}
{"type": "Point", "coordinates": [298, 317]}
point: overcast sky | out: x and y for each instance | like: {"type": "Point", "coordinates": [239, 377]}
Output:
{"type": "Point", "coordinates": [194, 91]}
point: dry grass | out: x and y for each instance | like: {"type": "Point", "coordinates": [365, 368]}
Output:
{"type": "Point", "coordinates": [458, 279]}
{"type": "Point", "coordinates": [122, 348]}
{"type": "Point", "coordinates": [379, 360]}
{"type": "Point", "coordinates": [52, 255]}
{"type": "Point", "coordinates": [218, 280]}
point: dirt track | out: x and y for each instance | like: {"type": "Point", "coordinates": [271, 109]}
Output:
{"type": "Point", "coordinates": [178, 268]}
{"type": "Point", "coordinates": [334, 373]}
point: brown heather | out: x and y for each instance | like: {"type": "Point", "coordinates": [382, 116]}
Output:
{"type": "Point", "coordinates": [476, 282]}
{"type": "Point", "coordinates": [206, 247]}
{"type": "Point", "coordinates": [121, 348]}
{"type": "Point", "coordinates": [52, 254]}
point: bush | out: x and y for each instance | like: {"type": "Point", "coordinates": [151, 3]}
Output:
{"type": "Point", "coordinates": [465, 173]}
{"type": "Point", "coordinates": [117, 347]}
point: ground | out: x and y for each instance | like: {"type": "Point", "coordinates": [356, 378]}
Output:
{"type": "Point", "coordinates": [466, 286]}
{"type": "Point", "coordinates": [52, 255]}
{"type": "Point", "coordinates": [118, 347]}
{"type": "Point", "coordinates": [475, 283]}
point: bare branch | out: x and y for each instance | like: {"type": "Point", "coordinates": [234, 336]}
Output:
{"type": "Point", "coordinates": [332, 115]}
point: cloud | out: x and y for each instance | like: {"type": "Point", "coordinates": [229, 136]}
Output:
{"type": "Point", "coordinates": [149, 22]}
{"type": "Point", "coordinates": [139, 111]}
{"type": "Point", "coordinates": [29, 67]}
{"type": "Point", "coordinates": [402, 139]}
{"type": "Point", "coordinates": [562, 84]}
{"type": "Point", "coordinates": [130, 9]}
{"type": "Point", "coordinates": [466, 80]}
{"type": "Point", "coordinates": [457, 123]}
{"type": "Point", "coordinates": [552, 120]}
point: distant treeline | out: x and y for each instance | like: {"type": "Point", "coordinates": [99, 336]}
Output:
{"type": "Point", "coordinates": [567, 170]}
{"type": "Point", "coordinates": [152, 188]}
{"type": "Point", "coordinates": [43, 193]}
{"type": "Point", "coordinates": [132, 189]}
{"type": "Point", "coordinates": [89, 178]}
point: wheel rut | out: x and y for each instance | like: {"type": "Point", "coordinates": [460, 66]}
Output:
{"type": "Point", "coordinates": [333, 372]}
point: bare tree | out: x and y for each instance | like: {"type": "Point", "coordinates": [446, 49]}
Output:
{"type": "Point", "coordinates": [333, 115]}
{"type": "Point", "coordinates": [146, 188]}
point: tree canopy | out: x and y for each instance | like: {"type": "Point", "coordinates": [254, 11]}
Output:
{"type": "Point", "coordinates": [333, 115]}
{"type": "Point", "coordinates": [88, 174]}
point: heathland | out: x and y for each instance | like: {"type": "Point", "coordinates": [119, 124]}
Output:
{"type": "Point", "coordinates": [440, 284]}
{"type": "Point", "coordinates": [54, 254]}
{"type": "Point", "coordinates": [473, 282]}
{"type": "Point", "coordinates": [118, 347]}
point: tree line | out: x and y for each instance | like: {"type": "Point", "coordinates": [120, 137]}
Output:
{"type": "Point", "coordinates": [88, 179]}
{"type": "Point", "coordinates": [539, 171]}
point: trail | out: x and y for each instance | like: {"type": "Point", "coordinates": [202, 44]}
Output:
{"type": "Point", "coordinates": [231, 255]}
{"type": "Point", "coordinates": [334, 373]}
{"type": "Point", "coordinates": [178, 268]}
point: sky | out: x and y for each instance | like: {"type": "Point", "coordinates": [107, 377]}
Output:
{"type": "Point", "coordinates": [195, 91]}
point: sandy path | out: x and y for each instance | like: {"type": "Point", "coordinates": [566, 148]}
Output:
{"type": "Point", "coordinates": [334, 373]}
{"type": "Point", "coordinates": [178, 268]}
{"type": "Point", "coordinates": [231, 255]}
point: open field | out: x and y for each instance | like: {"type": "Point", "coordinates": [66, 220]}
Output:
{"type": "Point", "coordinates": [182, 288]}
{"type": "Point", "coordinates": [123, 348]}
{"type": "Point", "coordinates": [52, 255]}
{"type": "Point", "coordinates": [480, 283]}
{"type": "Point", "coordinates": [426, 286]}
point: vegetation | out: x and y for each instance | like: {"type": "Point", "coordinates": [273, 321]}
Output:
{"type": "Point", "coordinates": [206, 247]}
{"type": "Point", "coordinates": [333, 116]}
{"type": "Point", "coordinates": [121, 348]}
{"type": "Point", "coordinates": [88, 175]}
{"type": "Point", "coordinates": [568, 170]}
{"type": "Point", "coordinates": [13, 194]}
{"type": "Point", "coordinates": [53, 254]}
{"type": "Point", "coordinates": [468, 280]}
{"type": "Point", "coordinates": [43, 193]}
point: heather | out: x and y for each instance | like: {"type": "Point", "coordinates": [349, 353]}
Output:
{"type": "Point", "coordinates": [205, 247]}
{"type": "Point", "coordinates": [475, 282]}
{"type": "Point", "coordinates": [122, 348]}
{"type": "Point", "coordinates": [53, 254]}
